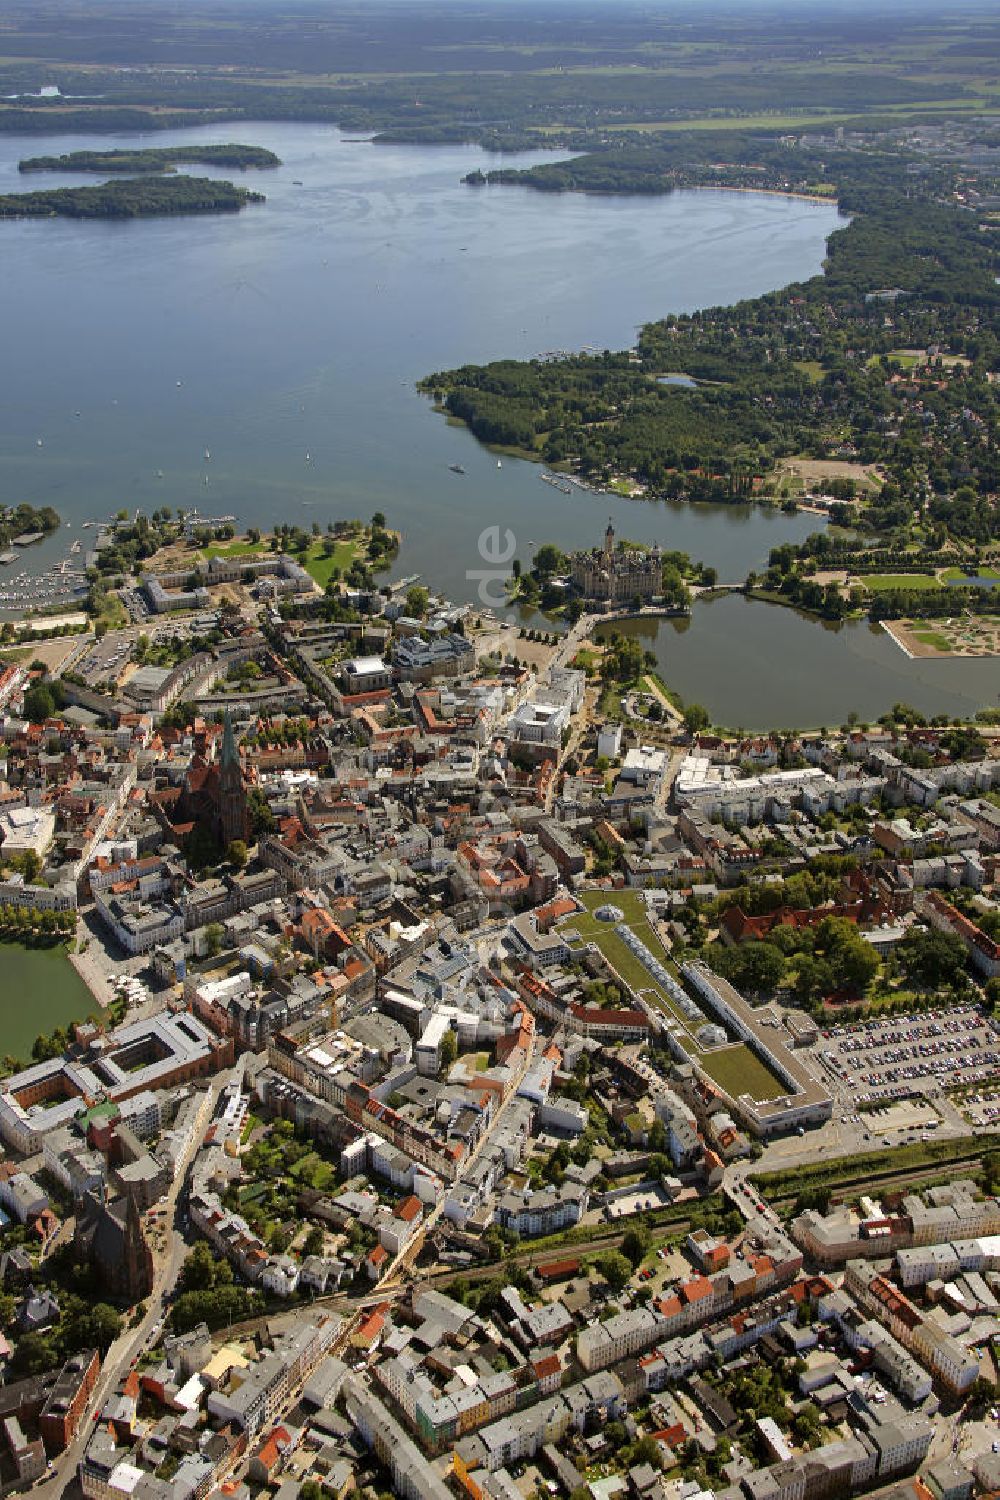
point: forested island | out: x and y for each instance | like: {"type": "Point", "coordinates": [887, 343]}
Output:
{"type": "Point", "coordinates": [131, 199]}
{"type": "Point", "coordinates": [153, 159]}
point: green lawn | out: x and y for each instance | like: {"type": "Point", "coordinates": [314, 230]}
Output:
{"type": "Point", "coordinates": [954, 575]}
{"type": "Point", "coordinates": [735, 1068]}
{"type": "Point", "coordinates": [810, 368]}
{"type": "Point", "coordinates": [904, 359]}
{"type": "Point", "coordinates": [585, 659]}
{"type": "Point", "coordinates": [883, 582]}
{"type": "Point", "coordinates": [319, 566]}
{"type": "Point", "coordinates": [234, 549]}
{"type": "Point", "coordinates": [933, 638]}
{"type": "Point", "coordinates": [316, 563]}
{"type": "Point", "coordinates": [740, 1071]}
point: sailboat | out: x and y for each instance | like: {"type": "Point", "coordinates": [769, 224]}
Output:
{"type": "Point", "coordinates": [499, 464]}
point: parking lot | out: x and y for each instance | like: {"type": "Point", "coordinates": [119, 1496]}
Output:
{"type": "Point", "coordinates": [108, 657]}
{"type": "Point", "coordinates": [912, 1054]}
{"type": "Point", "coordinates": [982, 1107]}
{"type": "Point", "coordinates": [651, 1196]}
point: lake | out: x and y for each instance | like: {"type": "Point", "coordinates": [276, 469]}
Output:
{"type": "Point", "coordinates": [757, 666]}
{"type": "Point", "coordinates": [57, 996]}
{"type": "Point", "coordinates": [287, 341]}
{"type": "Point", "coordinates": [299, 327]}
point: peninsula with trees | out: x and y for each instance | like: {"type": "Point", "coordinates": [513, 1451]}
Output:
{"type": "Point", "coordinates": [153, 159]}
{"type": "Point", "coordinates": [867, 393]}
{"type": "Point", "coordinates": [18, 521]}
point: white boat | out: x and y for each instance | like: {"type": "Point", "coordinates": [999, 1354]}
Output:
{"type": "Point", "coordinates": [208, 456]}
{"type": "Point", "coordinates": [499, 464]}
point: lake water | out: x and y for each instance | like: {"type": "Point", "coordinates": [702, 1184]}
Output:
{"type": "Point", "coordinates": [300, 327]}
{"type": "Point", "coordinates": [287, 341]}
{"type": "Point", "coordinates": [757, 666]}
{"type": "Point", "coordinates": [57, 996]}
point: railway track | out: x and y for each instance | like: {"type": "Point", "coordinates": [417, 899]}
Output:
{"type": "Point", "coordinates": [890, 1177]}
{"type": "Point", "coordinates": [351, 1305]}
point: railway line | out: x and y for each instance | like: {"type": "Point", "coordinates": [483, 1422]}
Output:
{"type": "Point", "coordinates": [353, 1305]}
{"type": "Point", "coordinates": [889, 1177]}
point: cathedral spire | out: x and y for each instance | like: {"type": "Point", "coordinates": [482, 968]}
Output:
{"type": "Point", "coordinates": [230, 755]}
{"type": "Point", "coordinates": [232, 810]}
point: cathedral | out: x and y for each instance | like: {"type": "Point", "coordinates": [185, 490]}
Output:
{"type": "Point", "coordinates": [214, 794]}
{"type": "Point", "coordinates": [617, 577]}
{"type": "Point", "coordinates": [109, 1237]}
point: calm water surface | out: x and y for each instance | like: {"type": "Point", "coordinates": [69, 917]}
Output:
{"type": "Point", "coordinates": [300, 326]}
{"type": "Point", "coordinates": [286, 340]}
{"type": "Point", "coordinates": [761, 666]}
{"type": "Point", "coordinates": [40, 990]}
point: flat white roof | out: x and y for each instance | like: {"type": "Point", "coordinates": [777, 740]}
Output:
{"type": "Point", "coordinates": [361, 666]}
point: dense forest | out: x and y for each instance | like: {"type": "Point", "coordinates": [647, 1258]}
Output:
{"type": "Point", "coordinates": [369, 37]}
{"type": "Point", "coordinates": [152, 159]}
{"type": "Point", "coordinates": [496, 76]}
{"type": "Point", "coordinates": [131, 199]}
